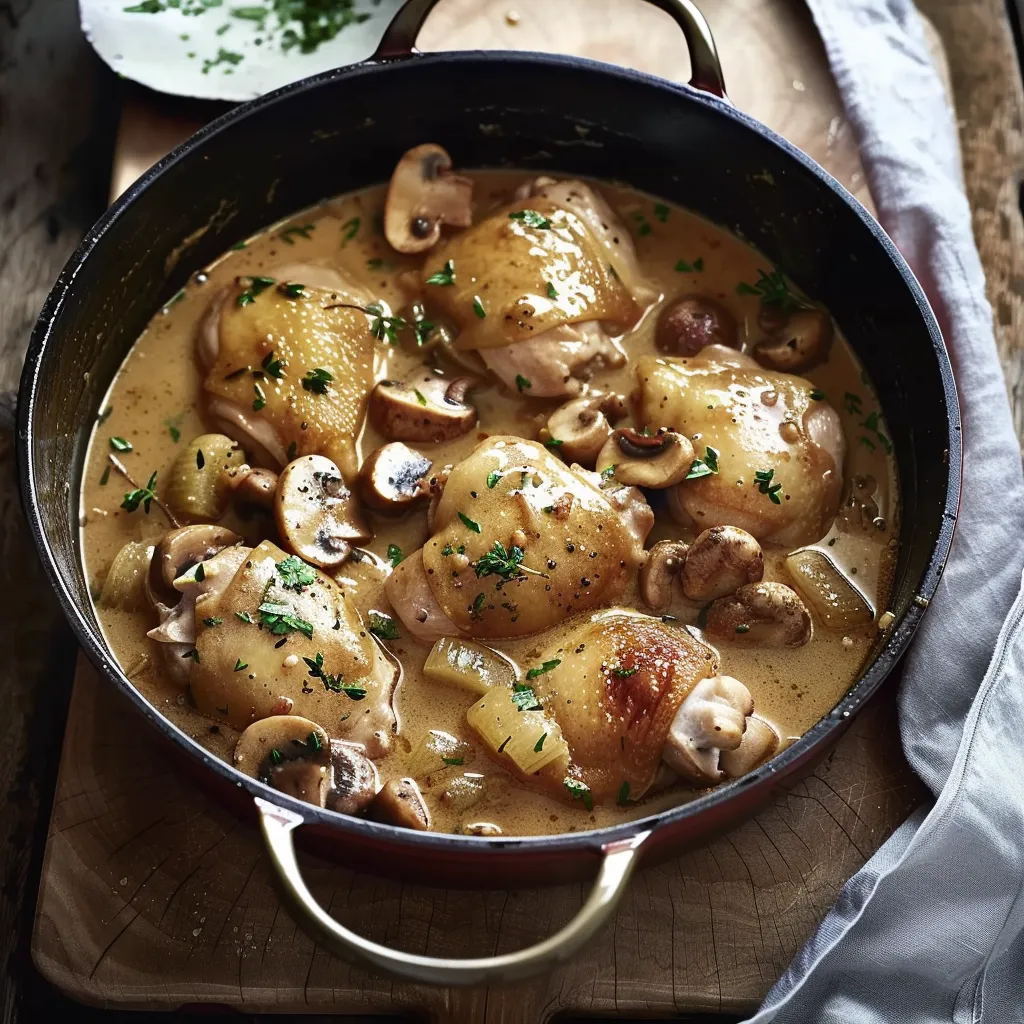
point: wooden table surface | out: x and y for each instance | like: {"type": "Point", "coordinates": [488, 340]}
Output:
{"type": "Point", "coordinates": [57, 121]}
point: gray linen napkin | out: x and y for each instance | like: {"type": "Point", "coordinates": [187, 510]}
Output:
{"type": "Point", "coordinates": [932, 927]}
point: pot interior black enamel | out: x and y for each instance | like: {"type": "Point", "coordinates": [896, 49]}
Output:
{"type": "Point", "coordinates": [344, 130]}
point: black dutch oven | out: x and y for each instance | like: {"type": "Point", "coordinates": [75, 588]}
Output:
{"type": "Point", "coordinates": [344, 130]}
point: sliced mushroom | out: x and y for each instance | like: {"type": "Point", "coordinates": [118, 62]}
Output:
{"type": "Point", "coordinates": [354, 782]}
{"type": "Point", "coordinates": [431, 408]}
{"type": "Point", "coordinates": [198, 484]}
{"type": "Point", "coordinates": [761, 613]}
{"type": "Point", "coordinates": [178, 551]}
{"type": "Point", "coordinates": [401, 803]}
{"type": "Point", "coordinates": [693, 322]}
{"type": "Point", "coordinates": [316, 514]}
{"type": "Point", "coordinates": [712, 719]}
{"type": "Point", "coordinates": [721, 560]}
{"type": "Point", "coordinates": [424, 194]}
{"type": "Point", "coordinates": [760, 741]}
{"type": "Point", "coordinates": [660, 573]}
{"type": "Point", "coordinates": [394, 478]}
{"type": "Point", "coordinates": [581, 427]}
{"type": "Point", "coordinates": [290, 753]}
{"type": "Point", "coordinates": [257, 487]}
{"type": "Point", "coordinates": [802, 342]}
{"type": "Point", "coordinates": [647, 460]}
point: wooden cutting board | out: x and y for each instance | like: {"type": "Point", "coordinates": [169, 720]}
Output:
{"type": "Point", "coordinates": [152, 896]}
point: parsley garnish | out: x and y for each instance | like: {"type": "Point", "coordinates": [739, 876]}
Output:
{"type": "Point", "coordinates": [553, 442]}
{"type": "Point", "coordinates": [817, 396]}
{"type": "Point", "coordinates": [506, 564]}
{"type": "Point", "coordinates": [539, 745]}
{"type": "Point", "coordinates": [705, 466]}
{"type": "Point", "coordinates": [272, 366]}
{"type": "Point", "coordinates": [378, 264]}
{"type": "Point", "coordinates": [742, 628]}
{"type": "Point", "coordinates": [313, 743]}
{"type": "Point", "coordinates": [531, 218]}
{"type": "Point", "coordinates": [422, 327]}
{"type": "Point", "coordinates": [394, 555]}
{"type": "Point", "coordinates": [350, 229]}
{"type": "Point", "coordinates": [276, 757]}
{"type": "Point", "coordinates": [261, 397]}
{"type": "Point", "coordinates": [240, 665]}
{"type": "Point", "coordinates": [172, 429]}
{"type": "Point", "coordinates": [478, 307]}
{"type": "Point", "coordinates": [469, 523]}
{"type": "Point", "coordinates": [623, 797]}
{"type": "Point", "coordinates": [292, 290]}
{"type": "Point", "coordinates": [477, 609]}
{"type": "Point", "coordinates": [420, 397]}
{"type": "Point", "coordinates": [256, 285]}
{"type": "Point", "coordinates": [552, 291]}
{"type": "Point", "coordinates": [771, 288]}
{"type": "Point", "coordinates": [303, 230]}
{"type": "Point", "coordinates": [278, 618]}
{"type": "Point", "coordinates": [317, 381]}
{"type": "Point", "coordinates": [871, 423]}
{"type": "Point", "coordinates": [333, 683]}
{"type": "Point", "coordinates": [661, 212]}
{"type": "Point", "coordinates": [580, 791]}
{"type": "Point", "coordinates": [524, 698]}
{"type": "Point", "coordinates": [682, 267]}
{"type": "Point", "coordinates": [141, 495]}
{"type": "Point", "coordinates": [384, 326]}
{"type": "Point", "coordinates": [643, 227]}
{"type": "Point", "coordinates": [492, 479]}
{"type": "Point", "coordinates": [624, 673]}
{"type": "Point", "coordinates": [852, 403]}
{"type": "Point", "coordinates": [244, 616]}
{"type": "Point", "coordinates": [193, 654]}
{"type": "Point", "coordinates": [212, 620]}
{"type": "Point", "coordinates": [104, 477]}
{"type": "Point", "coordinates": [119, 444]}
{"type": "Point", "coordinates": [383, 626]}
{"type": "Point", "coordinates": [608, 472]}
{"type": "Point", "coordinates": [445, 276]}
{"type": "Point", "coordinates": [763, 482]}
{"type": "Point", "coordinates": [522, 383]}
{"type": "Point", "coordinates": [295, 574]}
{"type": "Point", "coordinates": [546, 667]}
{"type": "Point", "coordinates": [453, 760]}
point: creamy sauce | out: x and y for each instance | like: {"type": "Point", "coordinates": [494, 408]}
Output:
{"type": "Point", "coordinates": [155, 402]}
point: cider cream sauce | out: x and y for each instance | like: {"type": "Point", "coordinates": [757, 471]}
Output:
{"type": "Point", "coordinates": [154, 401]}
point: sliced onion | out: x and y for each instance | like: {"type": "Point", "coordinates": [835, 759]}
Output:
{"type": "Point", "coordinates": [125, 585]}
{"type": "Point", "coordinates": [470, 665]}
{"type": "Point", "coordinates": [529, 739]}
{"type": "Point", "coordinates": [436, 751]}
{"type": "Point", "coordinates": [835, 600]}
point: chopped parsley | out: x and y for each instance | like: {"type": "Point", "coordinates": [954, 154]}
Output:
{"type": "Point", "coordinates": [502, 563]}
{"type": "Point", "coordinates": [552, 291]}
{"type": "Point", "coordinates": [350, 228]}
{"type": "Point", "coordinates": [172, 429]}
{"type": "Point", "coordinates": [609, 471]}
{"type": "Point", "coordinates": [683, 267]}
{"type": "Point", "coordinates": [313, 743]}
{"type": "Point", "coordinates": [420, 397]}
{"type": "Point", "coordinates": [624, 673]}
{"type": "Point", "coordinates": [478, 307]}
{"type": "Point", "coordinates": [763, 482]}
{"type": "Point", "coordinates": [383, 626]}
{"type": "Point", "coordinates": [546, 667]}
{"type": "Point", "coordinates": [742, 628]}
{"type": "Point", "coordinates": [261, 397]}
{"type": "Point", "coordinates": [449, 550]}
{"type": "Point", "coordinates": [531, 218]}
{"type": "Point", "coordinates": [445, 276]}
{"type": "Point", "coordinates": [871, 423]}
{"type": "Point", "coordinates": [212, 620]}
{"type": "Point", "coordinates": [119, 444]}
{"type": "Point", "coordinates": [272, 366]}
{"type": "Point", "coordinates": [852, 403]}
{"type": "Point", "coordinates": [317, 381]}
{"type": "Point", "coordinates": [817, 396]}
{"type": "Point", "coordinates": [295, 574]}
{"type": "Point", "coordinates": [301, 230]}
{"type": "Point", "coordinates": [771, 288]}
{"type": "Point", "coordinates": [453, 760]}
{"type": "Point", "coordinates": [553, 442]}
{"type": "Point", "coordinates": [292, 290]}
{"type": "Point", "coordinates": [240, 665]}
{"type": "Point", "coordinates": [704, 467]}
{"type": "Point", "coordinates": [539, 745]}
{"type": "Point", "coordinates": [661, 212]}
{"type": "Point", "coordinates": [477, 608]}
{"type": "Point", "coordinates": [193, 654]}
{"type": "Point", "coordinates": [254, 287]}
{"type": "Point", "coordinates": [141, 496]}
{"type": "Point", "coordinates": [333, 683]}
{"type": "Point", "coordinates": [276, 757]}
{"type": "Point", "coordinates": [395, 555]}
{"type": "Point", "coordinates": [579, 791]}
{"type": "Point", "coordinates": [623, 798]}
{"type": "Point", "coordinates": [492, 479]}
{"type": "Point", "coordinates": [104, 477]}
{"type": "Point", "coordinates": [469, 523]}
{"type": "Point", "coordinates": [280, 620]}
{"type": "Point", "coordinates": [523, 383]}
{"type": "Point", "coordinates": [524, 698]}
{"type": "Point", "coordinates": [383, 325]}
{"type": "Point", "coordinates": [642, 226]}
{"type": "Point", "coordinates": [378, 264]}
{"type": "Point", "coordinates": [421, 327]}
{"type": "Point", "coordinates": [244, 616]}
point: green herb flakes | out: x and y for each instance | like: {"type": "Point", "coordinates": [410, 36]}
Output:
{"type": "Point", "coordinates": [141, 496]}
{"type": "Point", "coordinates": [333, 683]}
{"type": "Point", "coordinates": [260, 401]}
{"type": "Point", "coordinates": [531, 218]}
{"type": "Point", "coordinates": [579, 791]}
{"type": "Point", "coordinates": [244, 616]}
{"type": "Point", "coordinates": [295, 574]}
{"type": "Point", "coordinates": [212, 620]}
{"type": "Point", "coordinates": [547, 666]}
{"type": "Point", "coordinates": [420, 397]}
{"type": "Point", "coordinates": [771, 289]}
{"type": "Point", "coordinates": [240, 665]}
{"type": "Point", "coordinates": [280, 621]}
{"type": "Point", "coordinates": [470, 524]}
{"type": "Point", "coordinates": [478, 307]}
{"type": "Point", "coordinates": [349, 230]}
{"type": "Point", "coordinates": [523, 383]}
{"type": "Point", "coordinates": [383, 626]}
{"type": "Point", "coordinates": [296, 231]}
{"type": "Point", "coordinates": [704, 467]}
{"type": "Point", "coordinates": [524, 698]}
{"type": "Point", "coordinates": [763, 482]}
{"type": "Point", "coordinates": [552, 291]}
{"type": "Point", "coordinates": [395, 555]}
{"type": "Point", "coordinates": [492, 479]}
{"type": "Point", "coordinates": [317, 381]}
{"type": "Point", "coordinates": [445, 276]}
{"type": "Point", "coordinates": [539, 745]}
{"type": "Point", "coordinates": [292, 290]}
{"type": "Point", "coordinates": [119, 444]}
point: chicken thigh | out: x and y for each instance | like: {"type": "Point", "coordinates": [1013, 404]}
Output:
{"type": "Point", "coordinates": [520, 542]}
{"type": "Point", "coordinates": [289, 364]}
{"type": "Point", "coordinates": [780, 444]}
{"type": "Point", "coordinates": [540, 287]}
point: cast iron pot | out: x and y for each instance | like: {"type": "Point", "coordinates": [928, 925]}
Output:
{"type": "Point", "coordinates": [344, 130]}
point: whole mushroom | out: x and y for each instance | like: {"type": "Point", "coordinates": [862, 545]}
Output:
{"type": "Point", "coordinates": [693, 322]}
{"type": "Point", "coordinates": [660, 573]}
{"type": "Point", "coordinates": [354, 782]}
{"type": "Point", "coordinates": [581, 428]}
{"type": "Point", "coordinates": [431, 408]}
{"type": "Point", "coordinates": [803, 341]}
{"type": "Point", "coordinates": [720, 560]}
{"type": "Point", "coordinates": [647, 460]}
{"type": "Point", "coordinates": [317, 516]}
{"type": "Point", "coordinates": [290, 753]}
{"type": "Point", "coordinates": [401, 803]}
{"type": "Point", "coordinates": [394, 478]}
{"type": "Point", "coordinates": [423, 195]}
{"type": "Point", "coordinates": [760, 613]}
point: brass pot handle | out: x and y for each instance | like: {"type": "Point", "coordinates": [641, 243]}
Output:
{"type": "Point", "coordinates": [619, 860]}
{"type": "Point", "coordinates": [399, 39]}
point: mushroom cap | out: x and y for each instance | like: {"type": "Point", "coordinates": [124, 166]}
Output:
{"type": "Point", "coordinates": [647, 460]}
{"type": "Point", "coordinates": [354, 780]}
{"type": "Point", "coordinates": [401, 803]}
{"type": "Point", "coordinates": [301, 764]}
{"type": "Point", "coordinates": [422, 195]}
{"type": "Point", "coordinates": [316, 514]}
{"type": "Point", "coordinates": [660, 573]}
{"type": "Point", "coordinates": [769, 614]}
{"type": "Point", "coordinates": [178, 551]}
{"type": "Point", "coordinates": [582, 428]}
{"type": "Point", "coordinates": [691, 323]}
{"type": "Point", "coordinates": [394, 478]}
{"type": "Point", "coordinates": [801, 342]}
{"type": "Point", "coordinates": [720, 560]}
{"type": "Point", "coordinates": [429, 408]}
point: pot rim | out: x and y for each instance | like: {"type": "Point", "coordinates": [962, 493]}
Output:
{"type": "Point", "coordinates": [591, 840]}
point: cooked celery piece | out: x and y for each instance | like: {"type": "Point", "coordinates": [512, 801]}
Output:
{"type": "Point", "coordinates": [467, 664]}
{"type": "Point", "coordinates": [437, 751]}
{"type": "Point", "coordinates": [838, 603]}
{"type": "Point", "coordinates": [464, 791]}
{"type": "Point", "coordinates": [529, 739]}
